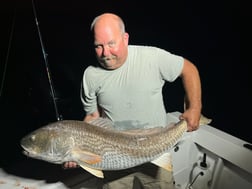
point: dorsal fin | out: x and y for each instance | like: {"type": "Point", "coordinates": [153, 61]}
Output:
{"type": "Point", "coordinates": [102, 122]}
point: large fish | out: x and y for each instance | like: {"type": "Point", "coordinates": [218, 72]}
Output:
{"type": "Point", "coordinates": [97, 147]}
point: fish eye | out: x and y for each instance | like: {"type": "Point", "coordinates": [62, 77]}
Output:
{"type": "Point", "coordinates": [33, 138]}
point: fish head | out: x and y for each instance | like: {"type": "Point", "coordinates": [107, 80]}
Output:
{"type": "Point", "coordinates": [48, 144]}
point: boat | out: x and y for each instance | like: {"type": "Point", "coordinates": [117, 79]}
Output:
{"type": "Point", "coordinates": [211, 159]}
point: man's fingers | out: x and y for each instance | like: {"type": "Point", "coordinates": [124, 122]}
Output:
{"type": "Point", "coordinates": [69, 165]}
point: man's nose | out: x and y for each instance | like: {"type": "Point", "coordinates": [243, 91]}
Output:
{"type": "Point", "coordinates": [106, 51]}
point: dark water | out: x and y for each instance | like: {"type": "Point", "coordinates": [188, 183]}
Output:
{"type": "Point", "coordinates": [210, 34]}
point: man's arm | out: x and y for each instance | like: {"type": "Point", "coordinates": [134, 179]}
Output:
{"type": "Point", "coordinates": [193, 104]}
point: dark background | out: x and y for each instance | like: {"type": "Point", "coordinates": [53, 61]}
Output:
{"type": "Point", "coordinates": [212, 34]}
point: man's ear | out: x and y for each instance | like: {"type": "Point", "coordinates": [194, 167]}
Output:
{"type": "Point", "coordinates": [126, 38]}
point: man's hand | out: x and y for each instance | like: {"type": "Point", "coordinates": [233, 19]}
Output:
{"type": "Point", "coordinates": [70, 165]}
{"type": "Point", "coordinates": [192, 118]}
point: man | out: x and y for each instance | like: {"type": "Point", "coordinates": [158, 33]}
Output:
{"type": "Point", "coordinates": [126, 86]}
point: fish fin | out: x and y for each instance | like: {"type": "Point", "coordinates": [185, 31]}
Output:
{"type": "Point", "coordinates": [95, 172]}
{"type": "Point", "coordinates": [86, 157]}
{"type": "Point", "coordinates": [102, 122]}
{"type": "Point", "coordinates": [164, 161]}
{"type": "Point", "coordinates": [145, 131]}
{"type": "Point", "coordinates": [204, 120]}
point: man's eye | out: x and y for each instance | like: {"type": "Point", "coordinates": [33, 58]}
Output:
{"type": "Point", "coordinates": [97, 46]}
{"type": "Point", "coordinates": [112, 44]}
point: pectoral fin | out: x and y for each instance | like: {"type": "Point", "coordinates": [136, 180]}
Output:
{"type": "Point", "coordinates": [86, 157]}
{"type": "Point", "coordinates": [164, 161]}
{"type": "Point", "coordinates": [95, 172]}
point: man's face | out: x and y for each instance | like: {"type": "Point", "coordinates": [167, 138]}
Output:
{"type": "Point", "coordinates": [111, 46]}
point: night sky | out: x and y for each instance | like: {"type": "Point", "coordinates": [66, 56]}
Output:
{"type": "Point", "coordinates": [212, 34]}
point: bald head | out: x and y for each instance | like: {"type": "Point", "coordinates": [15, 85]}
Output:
{"type": "Point", "coordinates": [108, 19]}
{"type": "Point", "coordinates": [110, 40]}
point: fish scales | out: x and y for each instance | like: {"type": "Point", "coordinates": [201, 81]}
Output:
{"type": "Point", "coordinates": [98, 147]}
{"type": "Point", "coordinates": [118, 150]}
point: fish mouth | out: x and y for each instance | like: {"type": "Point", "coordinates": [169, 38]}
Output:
{"type": "Point", "coordinates": [31, 154]}
{"type": "Point", "coordinates": [26, 153]}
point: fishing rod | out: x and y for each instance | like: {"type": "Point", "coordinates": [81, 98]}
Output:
{"type": "Point", "coordinates": [8, 51]}
{"type": "Point", "coordinates": [58, 116]}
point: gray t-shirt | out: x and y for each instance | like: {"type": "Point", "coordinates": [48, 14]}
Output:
{"type": "Point", "coordinates": [131, 95]}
